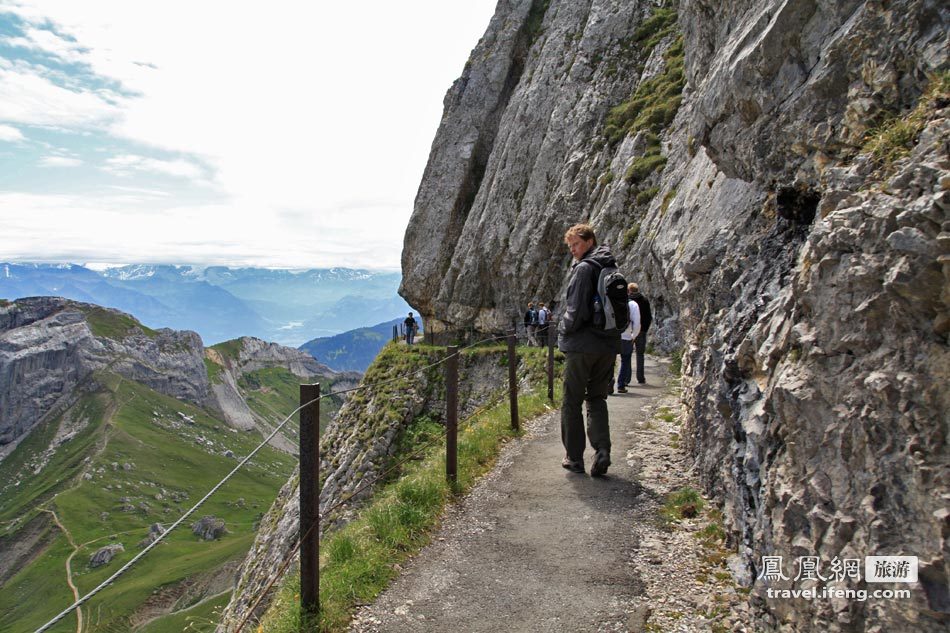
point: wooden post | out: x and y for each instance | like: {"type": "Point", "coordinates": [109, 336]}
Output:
{"type": "Point", "coordinates": [513, 379]}
{"type": "Point", "coordinates": [309, 500]}
{"type": "Point", "coordinates": [451, 414]}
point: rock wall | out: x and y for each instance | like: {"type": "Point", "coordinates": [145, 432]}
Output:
{"type": "Point", "coordinates": [805, 280]}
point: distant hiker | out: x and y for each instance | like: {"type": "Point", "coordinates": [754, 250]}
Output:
{"type": "Point", "coordinates": [411, 326]}
{"type": "Point", "coordinates": [626, 343]}
{"type": "Point", "coordinates": [646, 318]}
{"type": "Point", "coordinates": [544, 322]}
{"type": "Point", "coordinates": [590, 351]}
{"type": "Point", "coordinates": [531, 324]}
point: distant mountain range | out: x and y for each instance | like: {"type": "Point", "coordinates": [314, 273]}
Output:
{"type": "Point", "coordinates": [353, 350]}
{"type": "Point", "coordinates": [220, 303]}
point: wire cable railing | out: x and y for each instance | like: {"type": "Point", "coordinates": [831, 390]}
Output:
{"type": "Point", "coordinates": [122, 570]}
{"type": "Point", "coordinates": [417, 454]}
{"type": "Point", "coordinates": [293, 552]}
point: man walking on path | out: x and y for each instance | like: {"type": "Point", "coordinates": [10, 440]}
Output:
{"type": "Point", "coordinates": [590, 351]}
{"type": "Point", "coordinates": [626, 343]}
{"type": "Point", "coordinates": [646, 318]}
{"type": "Point", "coordinates": [530, 549]}
{"type": "Point", "coordinates": [411, 326]}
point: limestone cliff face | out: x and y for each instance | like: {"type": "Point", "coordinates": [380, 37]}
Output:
{"type": "Point", "coordinates": [805, 280]}
{"type": "Point", "coordinates": [50, 347]}
{"type": "Point", "coordinates": [253, 354]}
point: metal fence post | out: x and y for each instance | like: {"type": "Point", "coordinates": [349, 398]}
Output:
{"type": "Point", "coordinates": [309, 499]}
{"type": "Point", "coordinates": [552, 334]}
{"type": "Point", "coordinates": [513, 379]}
{"type": "Point", "coordinates": [451, 413]}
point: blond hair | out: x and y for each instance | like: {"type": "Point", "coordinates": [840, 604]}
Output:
{"type": "Point", "coordinates": [632, 287]}
{"type": "Point", "coordinates": [583, 231]}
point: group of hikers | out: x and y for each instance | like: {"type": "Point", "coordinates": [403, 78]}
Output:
{"type": "Point", "coordinates": [602, 317]}
{"type": "Point", "coordinates": [536, 323]}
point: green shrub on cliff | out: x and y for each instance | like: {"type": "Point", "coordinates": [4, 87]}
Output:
{"type": "Point", "coordinates": [644, 166]}
{"type": "Point", "coordinates": [112, 324]}
{"type": "Point", "coordinates": [660, 24]}
{"type": "Point", "coordinates": [654, 103]}
{"type": "Point", "coordinates": [895, 138]}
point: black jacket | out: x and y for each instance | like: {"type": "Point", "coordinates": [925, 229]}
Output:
{"type": "Point", "coordinates": [646, 317]}
{"type": "Point", "coordinates": [576, 332]}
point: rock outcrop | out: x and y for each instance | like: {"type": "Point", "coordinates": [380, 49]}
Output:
{"type": "Point", "coordinates": [154, 531]}
{"type": "Point", "coordinates": [726, 152]}
{"type": "Point", "coordinates": [248, 354]}
{"type": "Point", "coordinates": [50, 347]}
{"type": "Point", "coordinates": [209, 528]}
{"type": "Point", "coordinates": [104, 555]}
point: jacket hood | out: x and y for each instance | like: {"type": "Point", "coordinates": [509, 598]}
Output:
{"type": "Point", "coordinates": [600, 254]}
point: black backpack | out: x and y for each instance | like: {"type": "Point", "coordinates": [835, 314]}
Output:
{"type": "Point", "coordinates": [611, 311]}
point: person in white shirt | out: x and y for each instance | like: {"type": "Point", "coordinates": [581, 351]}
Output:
{"type": "Point", "coordinates": [626, 343]}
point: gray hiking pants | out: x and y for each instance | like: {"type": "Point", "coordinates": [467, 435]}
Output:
{"type": "Point", "coordinates": [586, 377]}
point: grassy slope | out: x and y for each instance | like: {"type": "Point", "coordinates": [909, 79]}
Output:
{"type": "Point", "coordinates": [145, 431]}
{"type": "Point", "coordinates": [201, 618]}
{"type": "Point", "coordinates": [66, 465]}
{"type": "Point", "coordinates": [273, 392]}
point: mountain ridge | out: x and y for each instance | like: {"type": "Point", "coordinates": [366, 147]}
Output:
{"type": "Point", "coordinates": [221, 303]}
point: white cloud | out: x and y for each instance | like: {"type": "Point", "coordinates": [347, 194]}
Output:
{"type": "Point", "coordinates": [10, 134]}
{"type": "Point", "coordinates": [151, 193]}
{"type": "Point", "coordinates": [48, 42]}
{"type": "Point", "coordinates": [80, 228]}
{"type": "Point", "coordinates": [298, 113]}
{"type": "Point", "coordinates": [31, 99]}
{"type": "Point", "coordinates": [126, 164]}
{"type": "Point", "coordinates": [59, 161]}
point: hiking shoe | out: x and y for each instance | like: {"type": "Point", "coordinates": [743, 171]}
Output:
{"type": "Point", "coordinates": [621, 390]}
{"type": "Point", "coordinates": [601, 462]}
{"type": "Point", "coordinates": [571, 465]}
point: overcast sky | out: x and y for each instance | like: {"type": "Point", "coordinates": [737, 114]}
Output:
{"type": "Point", "coordinates": [280, 134]}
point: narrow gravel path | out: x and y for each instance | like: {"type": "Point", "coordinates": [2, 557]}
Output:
{"type": "Point", "coordinates": [69, 567]}
{"type": "Point", "coordinates": [534, 547]}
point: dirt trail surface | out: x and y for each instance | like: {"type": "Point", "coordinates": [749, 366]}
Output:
{"type": "Point", "coordinates": [534, 547]}
{"type": "Point", "coordinates": [69, 566]}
